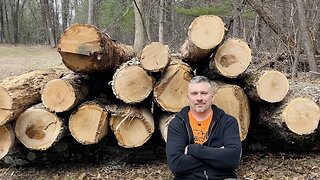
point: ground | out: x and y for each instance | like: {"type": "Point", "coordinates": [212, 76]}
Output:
{"type": "Point", "coordinates": [15, 60]}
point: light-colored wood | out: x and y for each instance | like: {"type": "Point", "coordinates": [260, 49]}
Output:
{"type": "Point", "coordinates": [155, 57]}
{"type": "Point", "coordinates": [17, 93]}
{"type": "Point", "coordinates": [204, 34]}
{"type": "Point", "coordinates": [39, 129]}
{"type": "Point", "coordinates": [61, 95]}
{"type": "Point", "coordinates": [164, 122]}
{"type": "Point", "coordinates": [232, 58]}
{"type": "Point", "coordinates": [131, 83]}
{"type": "Point", "coordinates": [132, 126]}
{"type": "Point", "coordinates": [270, 86]}
{"type": "Point", "coordinates": [86, 49]}
{"type": "Point", "coordinates": [7, 139]}
{"type": "Point", "coordinates": [170, 93]}
{"type": "Point", "coordinates": [233, 100]}
{"type": "Point", "coordinates": [88, 124]}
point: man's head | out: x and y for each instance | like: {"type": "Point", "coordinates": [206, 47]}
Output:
{"type": "Point", "coordinates": [200, 94]}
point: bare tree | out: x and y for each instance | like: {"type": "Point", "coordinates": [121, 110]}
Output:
{"type": "Point", "coordinates": [236, 19]}
{"type": "Point", "coordinates": [139, 27]}
{"type": "Point", "coordinates": [47, 19]}
{"type": "Point", "coordinates": [90, 11]}
{"type": "Point", "coordinates": [1, 22]}
{"type": "Point", "coordinates": [65, 5]}
{"type": "Point", "coordinates": [161, 21]}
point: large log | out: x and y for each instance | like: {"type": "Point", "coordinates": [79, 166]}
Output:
{"type": "Point", "coordinates": [270, 86]}
{"type": "Point", "coordinates": [7, 139]}
{"type": "Point", "coordinates": [132, 126]}
{"type": "Point", "coordinates": [233, 100]}
{"type": "Point", "coordinates": [17, 93]}
{"type": "Point", "coordinates": [88, 124]}
{"type": "Point", "coordinates": [155, 57]}
{"type": "Point", "coordinates": [170, 93]}
{"type": "Point", "coordinates": [86, 49]}
{"type": "Point", "coordinates": [164, 122]}
{"type": "Point", "coordinates": [131, 83]}
{"type": "Point", "coordinates": [39, 129]}
{"type": "Point", "coordinates": [204, 34]}
{"type": "Point", "coordinates": [231, 59]}
{"type": "Point", "coordinates": [61, 95]}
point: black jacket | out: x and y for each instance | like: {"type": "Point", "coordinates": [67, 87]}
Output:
{"type": "Point", "coordinates": [217, 158]}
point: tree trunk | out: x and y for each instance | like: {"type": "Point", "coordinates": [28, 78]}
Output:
{"type": "Point", "coordinates": [170, 93]}
{"type": "Point", "coordinates": [270, 86]}
{"type": "Point", "coordinates": [85, 49]}
{"type": "Point", "coordinates": [88, 124]}
{"type": "Point", "coordinates": [197, 47]}
{"type": "Point", "coordinates": [161, 20]}
{"type": "Point", "coordinates": [231, 59]}
{"type": "Point", "coordinates": [63, 94]}
{"type": "Point", "coordinates": [155, 57]}
{"type": "Point", "coordinates": [7, 140]}
{"type": "Point", "coordinates": [2, 32]}
{"type": "Point", "coordinates": [65, 13]}
{"type": "Point", "coordinates": [39, 129]}
{"type": "Point", "coordinates": [131, 83]}
{"type": "Point", "coordinates": [90, 11]}
{"type": "Point", "coordinates": [139, 37]}
{"type": "Point", "coordinates": [233, 101]}
{"type": "Point", "coordinates": [132, 126]}
{"type": "Point", "coordinates": [236, 19]}
{"type": "Point", "coordinates": [19, 92]}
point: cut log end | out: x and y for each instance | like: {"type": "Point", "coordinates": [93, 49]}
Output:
{"type": "Point", "coordinates": [302, 116]}
{"type": "Point", "coordinates": [155, 57]}
{"type": "Point", "coordinates": [272, 86]}
{"type": "Point", "coordinates": [5, 106]}
{"type": "Point", "coordinates": [206, 31]}
{"type": "Point", "coordinates": [58, 95]}
{"type": "Point", "coordinates": [38, 129]}
{"type": "Point", "coordinates": [88, 124]}
{"type": "Point", "coordinates": [7, 140]}
{"type": "Point", "coordinates": [164, 122]}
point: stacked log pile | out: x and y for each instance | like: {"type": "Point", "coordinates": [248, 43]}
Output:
{"type": "Point", "coordinates": [111, 89]}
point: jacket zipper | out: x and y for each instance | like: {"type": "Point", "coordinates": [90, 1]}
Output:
{"type": "Point", "coordinates": [205, 174]}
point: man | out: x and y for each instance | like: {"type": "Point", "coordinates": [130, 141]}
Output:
{"type": "Point", "coordinates": [203, 142]}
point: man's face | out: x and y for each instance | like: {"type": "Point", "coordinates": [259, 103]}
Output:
{"type": "Point", "coordinates": [200, 96]}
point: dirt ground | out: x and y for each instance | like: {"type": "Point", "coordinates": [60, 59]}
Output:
{"type": "Point", "coordinates": [15, 60]}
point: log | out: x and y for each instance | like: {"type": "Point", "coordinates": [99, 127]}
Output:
{"type": "Point", "coordinates": [164, 121]}
{"type": "Point", "coordinates": [204, 34]}
{"type": "Point", "coordinates": [86, 49]}
{"type": "Point", "coordinates": [7, 139]}
{"type": "Point", "coordinates": [132, 126]}
{"type": "Point", "coordinates": [231, 59]}
{"type": "Point", "coordinates": [232, 99]}
{"type": "Point", "coordinates": [155, 57]}
{"type": "Point", "coordinates": [60, 95]}
{"type": "Point", "coordinates": [17, 93]}
{"type": "Point", "coordinates": [131, 83]}
{"type": "Point", "coordinates": [170, 93]}
{"type": "Point", "coordinates": [270, 86]}
{"type": "Point", "coordinates": [39, 129]}
{"type": "Point", "coordinates": [88, 124]}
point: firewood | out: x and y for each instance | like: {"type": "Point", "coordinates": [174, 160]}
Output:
{"type": "Point", "coordinates": [61, 95]}
{"type": "Point", "coordinates": [233, 100]}
{"type": "Point", "coordinates": [17, 93]}
{"type": "Point", "coordinates": [155, 57]}
{"type": "Point", "coordinates": [231, 59]}
{"type": "Point", "coordinates": [170, 93]}
{"type": "Point", "coordinates": [132, 126]}
{"type": "Point", "coordinates": [7, 139]}
{"type": "Point", "coordinates": [204, 34]}
{"type": "Point", "coordinates": [164, 121]}
{"type": "Point", "coordinates": [270, 86]}
{"type": "Point", "coordinates": [86, 49]}
{"type": "Point", "coordinates": [39, 129]}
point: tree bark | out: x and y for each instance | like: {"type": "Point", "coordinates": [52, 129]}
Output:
{"type": "Point", "coordinates": [161, 20]}
{"type": "Point", "coordinates": [139, 37]}
{"type": "Point", "coordinates": [90, 11]}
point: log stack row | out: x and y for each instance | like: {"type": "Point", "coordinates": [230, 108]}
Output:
{"type": "Point", "coordinates": [107, 87]}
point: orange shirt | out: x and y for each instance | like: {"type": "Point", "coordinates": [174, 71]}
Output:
{"type": "Point", "coordinates": [200, 128]}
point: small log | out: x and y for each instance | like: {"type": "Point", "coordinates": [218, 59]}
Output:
{"type": "Point", "coordinates": [131, 83]}
{"type": "Point", "coordinates": [164, 121]}
{"type": "Point", "coordinates": [86, 49]}
{"type": "Point", "coordinates": [233, 100]}
{"type": "Point", "coordinates": [61, 95]}
{"type": "Point", "coordinates": [155, 57]}
{"type": "Point", "coordinates": [171, 91]}
{"type": "Point", "coordinates": [270, 86]}
{"type": "Point", "coordinates": [231, 59]}
{"type": "Point", "coordinates": [17, 93]}
{"type": "Point", "coordinates": [88, 124]}
{"type": "Point", "coordinates": [204, 34]}
{"type": "Point", "coordinates": [7, 139]}
{"type": "Point", "coordinates": [39, 129]}
{"type": "Point", "coordinates": [132, 126]}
